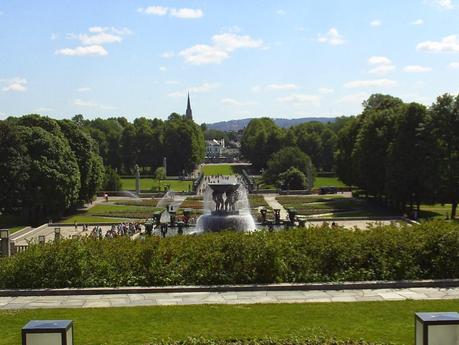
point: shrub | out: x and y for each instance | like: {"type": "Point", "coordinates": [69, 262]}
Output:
{"type": "Point", "coordinates": [266, 341]}
{"type": "Point", "coordinates": [318, 254]}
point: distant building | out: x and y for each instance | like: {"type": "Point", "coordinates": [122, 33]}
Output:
{"type": "Point", "coordinates": [189, 113]}
{"type": "Point", "coordinates": [214, 148]}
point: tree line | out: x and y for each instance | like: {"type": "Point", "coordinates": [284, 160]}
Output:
{"type": "Point", "coordinates": [48, 166]}
{"type": "Point", "coordinates": [403, 154]}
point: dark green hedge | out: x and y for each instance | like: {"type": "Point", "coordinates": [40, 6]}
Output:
{"type": "Point", "coordinates": [322, 254]}
{"type": "Point", "coordinates": [266, 341]}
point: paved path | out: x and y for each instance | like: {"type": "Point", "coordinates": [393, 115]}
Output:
{"type": "Point", "coordinates": [231, 297]}
{"type": "Point", "coordinates": [274, 204]}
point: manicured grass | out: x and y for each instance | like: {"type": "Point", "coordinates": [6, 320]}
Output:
{"type": "Point", "coordinates": [136, 202]}
{"type": "Point", "coordinates": [193, 202]}
{"type": "Point", "coordinates": [82, 219]}
{"type": "Point", "coordinates": [328, 181]}
{"type": "Point", "coordinates": [150, 184]}
{"type": "Point", "coordinates": [220, 169]}
{"type": "Point", "coordinates": [371, 321]}
{"type": "Point", "coordinates": [436, 211]}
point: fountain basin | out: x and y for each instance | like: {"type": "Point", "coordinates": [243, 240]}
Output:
{"type": "Point", "coordinates": [220, 221]}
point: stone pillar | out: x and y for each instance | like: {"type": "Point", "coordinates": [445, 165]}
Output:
{"type": "Point", "coordinates": [310, 182]}
{"type": "Point", "coordinates": [137, 180]}
{"type": "Point", "coordinates": [5, 242]}
{"type": "Point", "coordinates": [165, 165]}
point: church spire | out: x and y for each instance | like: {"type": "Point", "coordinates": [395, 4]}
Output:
{"type": "Point", "coordinates": [189, 113]}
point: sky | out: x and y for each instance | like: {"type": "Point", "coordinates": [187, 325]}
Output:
{"type": "Point", "coordinates": [236, 58]}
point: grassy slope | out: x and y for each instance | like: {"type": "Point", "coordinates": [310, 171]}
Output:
{"type": "Point", "coordinates": [372, 321]}
{"type": "Point", "coordinates": [328, 181]}
{"type": "Point", "coordinates": [221, 169]}
{"type": "Point", "coordinates": [149, 184]}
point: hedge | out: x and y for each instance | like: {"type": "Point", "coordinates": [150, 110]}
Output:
{"type": "Point", "coordinates": [266, 341]}
{"type": "Point", "coordinates": [318, 254]}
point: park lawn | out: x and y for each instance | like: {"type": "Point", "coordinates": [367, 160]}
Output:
{"type": "Point", "coordinates": [389, 322]}
{"type": "Point", "coordinates": [150, 184]}
{"type": "Point", "coordinates": [436, 211]}
{"type": "Point", "coordinates": [309, 205]}
{"type": "Point", "coordinates": [84, 219]}
{"type": "Point", "coordinates": [220, 169]}
{"type": "Point", "coordinates": [193, 202]}
{"type": "Point", "coordinates": [328, 181]}
{"type": "Point", "coordinates": [136, 202]}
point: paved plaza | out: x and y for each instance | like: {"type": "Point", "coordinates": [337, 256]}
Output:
{"type": "Point", "coordinates": [229, 297]}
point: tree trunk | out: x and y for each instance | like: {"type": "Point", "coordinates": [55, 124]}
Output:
{"type": "Point", "coordinates": [453, 210]}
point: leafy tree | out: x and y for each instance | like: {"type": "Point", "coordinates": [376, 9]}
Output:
{"type": "Point", "coordinates": [346, 167]}
{"type": "Point", "coordinates": [112, 181]}
{"type": "Point", "coordinates": [283, 160]}
{"type": "Point", "coordinates": [445, 128]}
{"type": "Point", "coordinates": [293, 179]}
{"type": "Point", "coordinates": [160, 174]}
{"type": "Point", "coordinates": [89, 162]}
{"type": "Point", "coordinates": [261, 138]}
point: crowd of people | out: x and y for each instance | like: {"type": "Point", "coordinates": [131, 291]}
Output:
{"type": "Point", "coordinates": [122, 229]}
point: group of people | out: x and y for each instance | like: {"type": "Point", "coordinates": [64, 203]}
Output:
{"type": "Point", "coordinates": [123, 229]}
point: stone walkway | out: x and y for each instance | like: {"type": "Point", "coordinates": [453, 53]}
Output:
{"type": "Point", "coordinates": [274, 204]}
{"type": "Point", "coordinates": [231, 297]}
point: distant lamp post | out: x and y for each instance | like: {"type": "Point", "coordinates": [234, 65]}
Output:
{"type": "Point", "coordinates": [41, 239]}
{"type": "Point", "coordinates": [48, 332]}
{"type": "Point", "coordinates": [5, 242]}
{"type": "Point", "coordinates": [437, 328]}
{"type": "Point", "coordinates": [57, 233]}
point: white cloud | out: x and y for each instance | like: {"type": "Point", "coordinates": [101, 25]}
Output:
{"type": "Point", "coordinates": [172, 82]}
{"type": "Point", "coordinates": [234, 102]}
{"type": "Point", "coordinates": [154, 10]}
{"type": "Point", "coordinates": [382, 69]}
{"type": "Point", "coordinates": [281, 12]}
{"type": "Point", "coordinates": [282, 86]}
{"type": "Point", "coordinates": [186, 13]}
{"type": "Point", "coordinates": [454, 65]}
{"type": "Point", "coordinates": [223, 45]}
{"type": "Point", "coordinates": [183, 13]}
{"type": "Point", "coordinates": [168, 55]}
{"type": "Point", "coordinates": [383, 65]}
{"type": "Point", "coordinates": [375, 23]}
{"type": "Point", "coordinates": [43, 110]}
{"type": "Point", "coordinates": [14, 85]}
{"type": "Point", "coordinates": [94, 50]}
{"type": "Point", "coordinates": [54, 36]}
{"type": "Point", "coordinates": [162, 68]}
{"type": "Point", "coordinates": [370, 83]}
{"type": "Point", "coordinates": [332, 37]}
{"type": "Point", "coordinates": [354, 98]}
{"type": "Point", "coordinates": [379, 60]}
{"type": "Point", "coordinates": [84, 89]}
{"type": "Point", "coordinates": [203, 88]}
{"type": "Point", "coordinates": [417, 22]}
{"type": "Point", "coordinates": [325, 90]}
{"type": "Point", "coordinates": [443, 4]}
{"type": "Point", "coordinates": [416, 69]}
{"type": "Point", "coordinates": [92, 43]}
{"type": "Point", "coordinates": [89, 104]}
{"type": "Point", "coordinates": [300, 98]}
{"type": "Point", "coordinates": [446, 44]}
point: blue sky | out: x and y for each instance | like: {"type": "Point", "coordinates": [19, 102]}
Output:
{"type": "Point", "coordinates": [237, 58]}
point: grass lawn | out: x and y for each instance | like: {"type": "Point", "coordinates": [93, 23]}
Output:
{"type": "Point", "coordinates": [436, 211]}
{"type": "Point", "coordinates": [328, 181]}
{"type": "Point", "coordinates": [193, 202]}
{"type": "Point", "coordinates": [150, 184]}
{"type": "Point", "coordinates": [81, 219]}
{"type": "Point", "coordinates": [371, 321]}
{"type": "Point", "coordinates": [220, 169]}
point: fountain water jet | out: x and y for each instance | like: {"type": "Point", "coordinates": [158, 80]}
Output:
{"type": "Point", "coordinates": [226, 207]}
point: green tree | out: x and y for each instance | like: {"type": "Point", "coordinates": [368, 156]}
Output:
{"type": "Point", "coordinates": [261, 138]}
{"type": "Point", "coordinates": [89, 162]}
{"type": "Point", "coordinates": [283, 160]}
{"type": "Point", "coordinates": [445, 129]}
{"type": "Point", "coordinates": [160, 174]}
{"type": "Point", "coordinates": [112, 181]}
{"type": "Point", "coordinates": [292, 179]}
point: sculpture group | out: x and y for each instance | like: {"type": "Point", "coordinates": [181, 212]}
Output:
{"type": "Point", "coordinates": [227, 204]}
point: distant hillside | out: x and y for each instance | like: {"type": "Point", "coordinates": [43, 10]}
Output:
{"type": "Point", "coordinates": [235, 125]}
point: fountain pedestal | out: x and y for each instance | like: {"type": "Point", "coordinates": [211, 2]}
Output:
{"type": "Point", "coordinates": [225, 215]}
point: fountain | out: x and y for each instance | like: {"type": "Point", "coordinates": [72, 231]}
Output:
{"type": "Point", "coordinates": [226, 207]}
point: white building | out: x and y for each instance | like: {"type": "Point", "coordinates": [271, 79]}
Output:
{"type": "Point", "coordinates": [214, 148]}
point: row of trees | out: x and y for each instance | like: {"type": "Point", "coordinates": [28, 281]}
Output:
{"type": "Point", "coordinates": [47, 166]}
{"type": "Point", "coordinates": [404, 154]}
{"type": "Point", "coordinates": [262, 138]}
{"type": "Point", "coordinates": [146, 142]}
